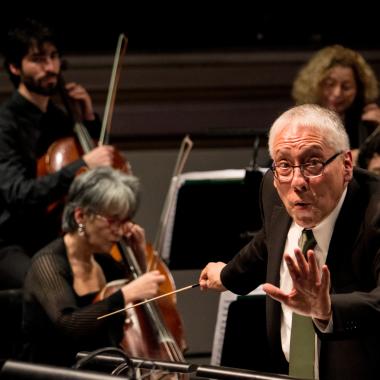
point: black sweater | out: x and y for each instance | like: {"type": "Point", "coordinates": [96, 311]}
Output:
{"type": "Point", "coordinates": [57, 323]}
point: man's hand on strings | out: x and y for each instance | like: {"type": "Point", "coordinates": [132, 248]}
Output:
{"type": "Point", "coordinates": [80, 94]}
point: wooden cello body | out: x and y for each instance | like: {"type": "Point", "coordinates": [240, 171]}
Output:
{"type": "Point", "coordinates": [154, 330]}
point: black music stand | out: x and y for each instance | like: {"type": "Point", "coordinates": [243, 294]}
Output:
{"type": "Point", "coordinates": [245, 342]}
{"type": "Point", "coordinates": [214, 218]}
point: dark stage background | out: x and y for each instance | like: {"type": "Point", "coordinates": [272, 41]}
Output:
{"type": "Point", "coordinates": [188, 26]}
{"type": "Point", "coordinates": [218, 71]}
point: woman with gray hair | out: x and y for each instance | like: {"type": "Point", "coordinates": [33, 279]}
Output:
{"type": "Point", "coordinates": [60, 317]}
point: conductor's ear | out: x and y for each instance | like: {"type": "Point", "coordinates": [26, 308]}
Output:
{"type": "Point", "coordinates": [348, 166]}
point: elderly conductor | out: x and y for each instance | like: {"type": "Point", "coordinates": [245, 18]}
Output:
{"type": "Point", "coordinates": [318, 252]}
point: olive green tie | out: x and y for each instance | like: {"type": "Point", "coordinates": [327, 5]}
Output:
{"type": "Point", "coordinates": [302, 339]}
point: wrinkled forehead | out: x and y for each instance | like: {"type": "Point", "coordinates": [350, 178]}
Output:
{"type": "Point", "coordinates": [298, 129]}
{"type": "Point", "coordinates": [297, 135]}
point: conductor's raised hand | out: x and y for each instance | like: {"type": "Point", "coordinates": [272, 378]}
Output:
{"type": "Point", "coordinates": [310, 295]}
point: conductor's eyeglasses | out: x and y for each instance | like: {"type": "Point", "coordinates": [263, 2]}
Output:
{"type": "Point", "coordinates": [284, 171]}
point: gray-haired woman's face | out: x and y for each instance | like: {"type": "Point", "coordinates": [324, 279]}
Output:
{"type": "Point", "coordinates": [103, 231]}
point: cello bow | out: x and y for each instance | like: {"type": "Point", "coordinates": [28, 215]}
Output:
{"type": "Point", "coordinates": [183, 155]}
{"type": "Point", "coordinates": [121, 48]}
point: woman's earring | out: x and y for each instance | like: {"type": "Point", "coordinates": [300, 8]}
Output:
{"type": "Point", "coordinates": [81, 229]}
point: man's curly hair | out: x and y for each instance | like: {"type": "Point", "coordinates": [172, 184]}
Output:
{"type": "Point", "coordinates": [306, 86]}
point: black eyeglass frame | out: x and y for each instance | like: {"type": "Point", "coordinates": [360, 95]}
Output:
{"type": "Point", "coordinates": [302, 168]}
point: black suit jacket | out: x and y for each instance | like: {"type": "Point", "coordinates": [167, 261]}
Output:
{"type": "Point", "coordinates": [352, 350]}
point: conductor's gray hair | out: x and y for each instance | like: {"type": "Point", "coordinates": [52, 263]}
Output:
{"type": "Point", "coordinates": [322, 120]}
{"type": "Point", "coordinates": [102, 190]}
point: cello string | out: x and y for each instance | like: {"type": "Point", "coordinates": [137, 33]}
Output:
{"type": "Point", "coordinates": [149, 300]}
{"type": "Point", "coordinates": [166, 339]}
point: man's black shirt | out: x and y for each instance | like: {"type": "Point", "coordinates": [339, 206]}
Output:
{"type": "Point", "coordinates": [25, 135]}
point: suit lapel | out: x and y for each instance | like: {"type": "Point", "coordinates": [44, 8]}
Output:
{"type": "Point", "coordinates": [277, 235]}
{"type": "Point", "coordinates": [276, 238]}
{"type": "Point", "coordinates": [345, 235]}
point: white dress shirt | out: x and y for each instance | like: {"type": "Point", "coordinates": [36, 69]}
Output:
{"type": "Point", "coordinates": [322, 233]}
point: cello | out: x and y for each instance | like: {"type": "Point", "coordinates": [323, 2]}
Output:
{"type": "Point", "coordinates": [69, 149]}
{"type": "Point", "coordinates": [150, 337]}
{"type": "Point", "coordinates": [153, 330]}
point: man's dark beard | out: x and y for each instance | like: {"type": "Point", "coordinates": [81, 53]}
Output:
{"type": "Point", "coordinates": [36, 87]}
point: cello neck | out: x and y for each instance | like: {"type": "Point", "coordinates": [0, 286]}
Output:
{"type": "Point", "coordinates": [164, 336]}
{"type": "Point", "coordinates": [74, 112]}
{"type": "Point", "coordinates": [129, 259]}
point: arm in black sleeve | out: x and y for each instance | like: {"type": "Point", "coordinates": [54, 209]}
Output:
{"type": "Point", "coordinates": [50, 284]}
{"type": "Point", "coordinates": [19, 186]}
{"type": "Point", "coordinates": [247, 270]}
{"type": "Point", "coordinates": [358, 312]}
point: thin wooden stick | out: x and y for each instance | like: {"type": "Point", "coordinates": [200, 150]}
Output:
{"type": "Point", "coordinates": [149, 300]}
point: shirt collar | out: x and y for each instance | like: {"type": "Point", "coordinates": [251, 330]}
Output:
{"type": "Point", "coordinates": [324, 230]}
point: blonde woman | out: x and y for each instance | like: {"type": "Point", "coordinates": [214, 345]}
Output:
{"type": "Point", "coordinates": [341, 80]}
